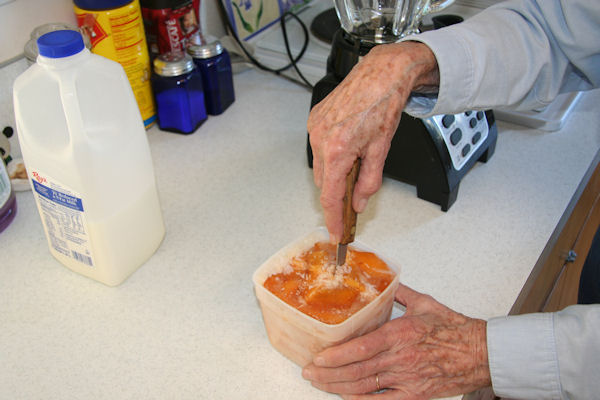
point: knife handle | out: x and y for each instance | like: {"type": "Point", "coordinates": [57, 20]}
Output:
{"type": "Point", "coordinates": [349, 215]}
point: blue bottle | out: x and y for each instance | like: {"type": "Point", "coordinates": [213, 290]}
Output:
{"type": "Point", "coordinates": [179, 93]}
{"type": "Point", "coordinates": [215, 67]}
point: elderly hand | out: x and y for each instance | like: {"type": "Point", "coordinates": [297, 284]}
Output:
{"type": "Point", "coordinates": [358, 120]}
{"type": "Point", "coordinates": [431, 351]}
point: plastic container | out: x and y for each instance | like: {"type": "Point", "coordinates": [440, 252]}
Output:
{"type": "Point", "coordinates": [88, 160]}
{"type": "Point", "coordinates": [116, 31]}
{"type": "Point", "coordinates": [8, 202]}
{"type": "Point", "coordinates": [300, 337]}
{"type": "Point", "coordinates": [214, 64]}
{"type": "Point", "coordinates": [179, 93]}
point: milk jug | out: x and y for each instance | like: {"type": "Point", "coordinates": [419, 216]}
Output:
{"type": "Point", "coordinates": [85, 148]}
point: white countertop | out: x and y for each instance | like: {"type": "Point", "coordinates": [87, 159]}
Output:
{"type": "Point", "coordinates": [187, 324]}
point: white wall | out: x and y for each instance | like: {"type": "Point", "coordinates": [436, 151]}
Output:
{"type": "Point", "coordinates": [19, 17]}
{"type": "Point", "coordinates": [210, 19]}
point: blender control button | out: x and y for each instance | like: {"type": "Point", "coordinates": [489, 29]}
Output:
{"type": "Point", "coordinates": [455, 136]}
{"type": "Point", "coordinates": [447, 120]}
{"type": "Point", "coordinates": [480, 115]}
{"type": "Point", "coordinates": [476, 138]}
{"type": "Point", "coordinates": [472, 122]}
{"type": "Point", "coordinates": [467, 113]}
{"type": "Point", "coordinates": [466, 149]}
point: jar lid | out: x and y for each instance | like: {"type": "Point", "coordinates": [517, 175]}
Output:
{"type": "Point", "coordinates": [59, 44]}
{"type": "Point", "coordinates": [173, 64]}
{"type": "Point", "coordinates": [205, 50]}
{"type": "Point", "coordinates": [98, 5]}
{"type": "Point", "coordinates": [163, 4]}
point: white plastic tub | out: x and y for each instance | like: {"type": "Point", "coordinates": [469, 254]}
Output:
{"type": "Point", "coordinates": [300, 337]}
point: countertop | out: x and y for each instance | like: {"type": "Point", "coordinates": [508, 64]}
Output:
{"type": "Point", "coordinates": [187, 323]}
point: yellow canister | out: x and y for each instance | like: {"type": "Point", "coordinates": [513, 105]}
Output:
{"type": "Point", "coordinates": [116, 31]}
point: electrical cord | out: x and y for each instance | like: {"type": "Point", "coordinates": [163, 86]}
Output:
{"type": "Point", "coordinates": [293, 60]}
{"type": "Point", "coordinates": [287, 45]}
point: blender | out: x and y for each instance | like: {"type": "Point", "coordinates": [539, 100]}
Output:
{"type": "Point", "coordinates": [432, 153]}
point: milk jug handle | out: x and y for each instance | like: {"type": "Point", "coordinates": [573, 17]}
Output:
{"type": "Point", "coordinates": [70, 103]}
{"type": "Point", "coordinates": [437, 5]}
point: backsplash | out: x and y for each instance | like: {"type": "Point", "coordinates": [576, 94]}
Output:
{"type": "Point", "coordinates": [19, 17]}
{"type": "Point", "coordinates": [8, 74]}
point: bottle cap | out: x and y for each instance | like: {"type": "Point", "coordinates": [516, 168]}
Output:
{"type": "Point", "coordinates": [60, 44]}
{"type": "Point", "coordinates": [98, 5]}
{"type": "Point", "coordinates": [31, 49]}
{"type": "Point", "coordinates": [173, 64]}
{"type": "Point", "coordinates": [162, 4]}
{"type": "Point", "coordinates": [205, 50]}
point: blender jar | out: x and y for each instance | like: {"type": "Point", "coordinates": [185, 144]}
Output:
{"type": "Point", "coordinates": [385, 21]}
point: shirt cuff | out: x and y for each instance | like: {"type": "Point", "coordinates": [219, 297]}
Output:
{"type": "Point", "coordinates": [420, 105]}
{"type": "Point", "coordinates": [522, 356]}
{"type": "Point", "coordinates": [455, 64]}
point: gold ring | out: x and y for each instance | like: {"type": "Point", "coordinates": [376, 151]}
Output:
{"type": "Point", "coordinates": [377, 382]}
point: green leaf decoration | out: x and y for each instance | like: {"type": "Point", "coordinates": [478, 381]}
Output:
{"type": "Point", "coordinates": [260, 12]}
{"type": "Point", "coordinates": [245, 24]}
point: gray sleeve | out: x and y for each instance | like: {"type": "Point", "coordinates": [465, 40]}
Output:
{"type": "Point", "coordinates": [546, 355]}
{"type": "Point", "coordinates": [519, 54]}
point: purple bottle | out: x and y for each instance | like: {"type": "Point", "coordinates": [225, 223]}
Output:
{"type": "Point", "coordinates": [215, 67]}
{"type": "Point", "coordinates": [8, 202]}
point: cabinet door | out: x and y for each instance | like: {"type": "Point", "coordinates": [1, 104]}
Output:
{"type": "Point", "coordinates": [554, 280]}
{"type": "Point", "coordinates": [565, 291]}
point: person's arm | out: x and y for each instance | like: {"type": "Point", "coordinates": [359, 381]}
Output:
{"type": "Point", "coordinates": [519, 54]}
{"type": "Point", "coordinates": [358, 120]}
{"type": "Point", "coordinates": [546, 355]}
{"type": "Point", "coordinates": [432, 351]}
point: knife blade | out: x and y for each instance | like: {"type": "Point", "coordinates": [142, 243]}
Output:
{"type": "Point", "coordinates": [349, 215]}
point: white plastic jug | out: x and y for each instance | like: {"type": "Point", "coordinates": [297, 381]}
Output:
{"type": "Point", "coordinates": [87, 156]}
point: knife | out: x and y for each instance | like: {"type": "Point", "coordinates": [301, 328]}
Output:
{"type": "Point", "coordinates": [349, 215]}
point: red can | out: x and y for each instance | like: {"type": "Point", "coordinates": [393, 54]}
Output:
{"type": "Point", "coordinates": [169, 24]}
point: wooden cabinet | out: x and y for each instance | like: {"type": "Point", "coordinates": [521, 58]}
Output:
{"type": "Point", "coordinates": [554, 281]}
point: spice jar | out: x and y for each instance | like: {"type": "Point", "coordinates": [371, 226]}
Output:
{"type": "Point", "coordinates": [178, 92]}
{"type": "Point", "coordinates": [215, 67]}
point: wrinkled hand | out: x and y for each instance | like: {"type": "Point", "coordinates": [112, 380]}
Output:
{"type": "Point", "coordinates": [358, 120]}
{"type": "Point", "coordinates": [431, 351]}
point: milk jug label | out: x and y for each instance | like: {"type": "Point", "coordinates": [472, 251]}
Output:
{"type": "Point", "coordinates": [64, 218]}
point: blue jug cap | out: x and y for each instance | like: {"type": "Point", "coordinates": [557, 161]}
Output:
{"type": "Point", "coordinates": [58, 44]}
